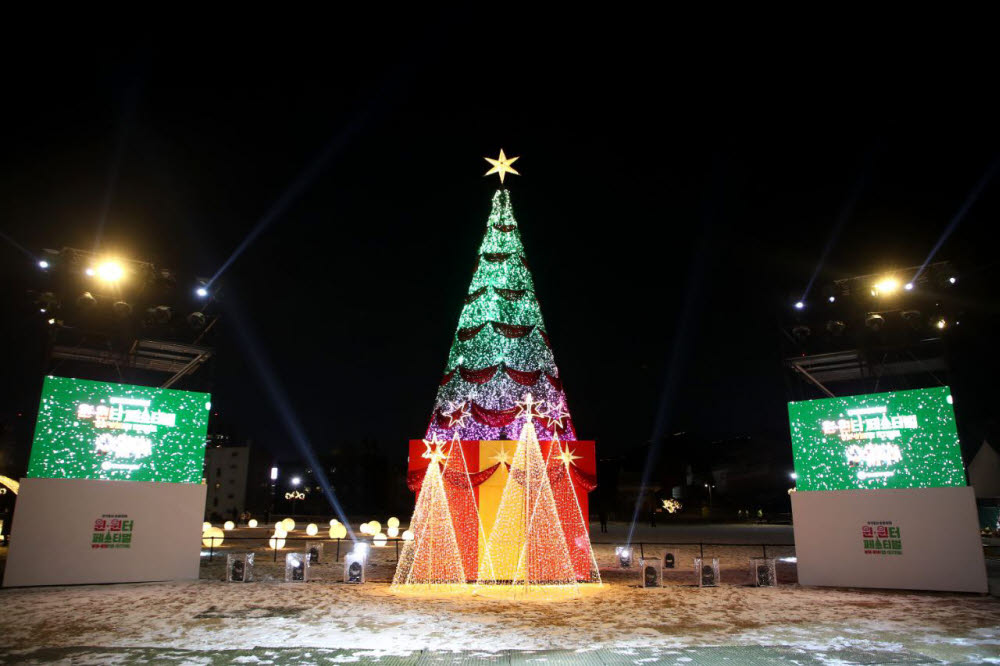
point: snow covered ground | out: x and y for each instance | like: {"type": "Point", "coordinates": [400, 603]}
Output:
{"type": "Point", "coordinates": [325, 613]}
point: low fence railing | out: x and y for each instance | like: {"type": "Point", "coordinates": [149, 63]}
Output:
{"type": "Point", "coordinates": [396, 541]}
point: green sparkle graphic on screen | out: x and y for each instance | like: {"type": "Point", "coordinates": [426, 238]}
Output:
{"type": "Point", "coordinates": [98, 430]}
{"type": "Point", "coordinates": [905, 439]}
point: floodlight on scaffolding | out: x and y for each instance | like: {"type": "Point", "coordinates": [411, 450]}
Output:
{"type": "Point", "coordinates": [110, 271]}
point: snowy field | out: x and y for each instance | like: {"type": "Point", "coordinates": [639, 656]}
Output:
{"type": "Point", "coordinates": [368, 620]}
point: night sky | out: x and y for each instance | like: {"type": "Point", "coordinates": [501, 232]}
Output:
{"type": "Point", "coordinates": [679, 185]}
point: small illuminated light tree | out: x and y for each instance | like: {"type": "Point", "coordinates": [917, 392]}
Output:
{"type": "Point", "coordinates": [527, 546]}
{"type": "Point", "coordinates": [560, 472]}
{"type": "Point", "coordinates": [433, 556]}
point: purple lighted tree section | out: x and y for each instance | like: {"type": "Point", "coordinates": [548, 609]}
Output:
{"type": "Point", "coordinates": [501, 350]}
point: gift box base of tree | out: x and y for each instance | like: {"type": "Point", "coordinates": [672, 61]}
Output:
{"type": "Point", "coordinates": [489, 463]}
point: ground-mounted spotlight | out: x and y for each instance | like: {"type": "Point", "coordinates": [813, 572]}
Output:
{"type": "Point", "coordinates": [239, 567]}
{"type": "Point", "coordinates": [122, 309]}
{"type": "Point", "coordinates": [86, 300]}
{"type": "Point", "coordinates": [296, 568]}
{"type": "Point", "coordinates": [835, 327]}
{"type": "Point", "coordinates": [801, 332]}
{"type": "Point", "coordinates": [799, 305]}
{"type": "Point", "coordinates": [314, 553]}
{"type": "Point", "coordinates": [707, 571]}
{"type": "Point", "coordinates": [354, 564]}
{"type": "Point", "coordinates": [196, 320]}
{"type": "Point", "coordinates": [875, 321]}
{"type": "Point", "coordinates": [162, 314]}
{"type": "Point", "coordinates": [623, 555]}
{"type": "Point", "coordinates": [762, 572]}
{"type": "Point", "coordinates": [651, 570]}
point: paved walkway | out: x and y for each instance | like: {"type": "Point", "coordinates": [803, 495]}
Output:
{"type": "Point", "coordinates": [728, 656]}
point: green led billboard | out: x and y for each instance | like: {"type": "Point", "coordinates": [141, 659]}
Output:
{"type": "Point", "coordinates": [904, 439]}
{"type": "Point", "coordinates": [98, 430]}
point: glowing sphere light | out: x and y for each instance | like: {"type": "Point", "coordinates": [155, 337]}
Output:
{"type": "Point", "coordinates": [213, 536]}
{"type": "Point", "coordinates": [228, 525]}
{"type": "Point", "coordinates": [252, 522]}
{"type": "Point", "coordinates": [288, 524]}
{"type": "Point", "coordinates": [311, 529]}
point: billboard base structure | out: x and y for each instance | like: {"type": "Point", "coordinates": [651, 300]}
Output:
{"type": "Point", "coordinates": [911, 539]}
{"type": "Point", "coordinates": [78, 531]}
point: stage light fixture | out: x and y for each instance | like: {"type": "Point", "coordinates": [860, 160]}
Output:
{"type": "Point", "coordinates": [86, 300]}
{"type": "Point", "coordinates": [52, 322]}
{"type": "Point", "coordinates": [110, 271]}
{"type": "Point", "coordinates": [196, 320]}
{"type": "Point", "coordinates": [908, 286]}
{"type": "Point", "coordinates": [875, 321]}
{"type": "Point", "coordinates": [832, 299]}
{"type": "Point", "coordinates": [201, 291]}
{"type": "Point", "coordinates": [43, 264]}
{"type": "Point", "coordinates": [953, 280]}
{"type": "Point", "coordinates": [161, 314]}
{"type": "Point", "coordinates": [90, 272]}
{"type": "Point", "coordinates": [885, 286]}
{"type": "Point", "coordinates": [799, 305]}
{"type": "Point", "coordinates": [941, 324]}
{"type": "Point", "coordinates": [121, 309]}
{"type": "Point", "coordinates": [835, 326]}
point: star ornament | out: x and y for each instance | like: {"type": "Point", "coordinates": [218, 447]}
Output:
{"type": "Point", "coordinates": [567, 456]}
{"type": "Point", "coordinates": [529, 406]}
{"type": "Point", "coordinates": [557, 415]}
{"type": "Point", "coordinates": [501, 166]}
{"type": "Point", "coordinates": [434, 453]}
{"type": "Point", "coordinates": [502, 456]}
{"type": "Point", "coordinates": [457, 414]}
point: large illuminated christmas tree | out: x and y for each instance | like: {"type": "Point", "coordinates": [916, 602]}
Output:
{"type": "Point", "coordinates": [501, 348]}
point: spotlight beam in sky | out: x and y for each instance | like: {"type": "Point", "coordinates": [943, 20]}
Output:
{"type": "Point", "coordinates": [960, 215]}
{"type": "Point", "coordinates": [846, 211]}
{"type": "Point", "coordinates": [373, 111]}
{"type": "Point", "coordinates": [291, 193]}
{"type": "Point", "coordinates": [255, 352]}
{"type": "Point", "coordinates": [679, 353]}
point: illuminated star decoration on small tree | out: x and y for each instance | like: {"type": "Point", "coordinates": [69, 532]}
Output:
{"type": "Point", "coordinates": [501, 166]}
{"type": "Point", "coordinates": [457, 414]}
{"type": "Point", "coordinates": [435, 454]}
{"type": "Point", "coordinates": [529, 407]}
{"type": "Point", "coordinates": [556, 416]}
